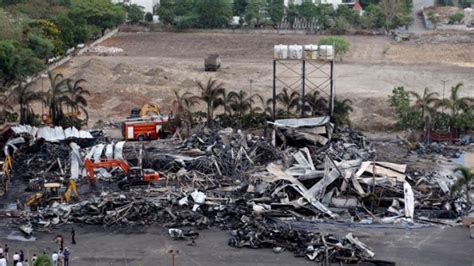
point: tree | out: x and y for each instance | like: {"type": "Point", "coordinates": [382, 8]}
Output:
{"type": "Point", "coordinates": [254, 12]}
{"type": "Point", "coordinates": [211, 93]}
{"type": "Point", "coordinates": [390, 9]}
{"type": "Point", "coordinates": [341, 45]}
{"type": "Point", "coordinates": [276, 10]}
{"type": "Point", "coordinates": [307, 10]}
{"type": "Point", "coordinates": [76, 99]}
{"type": "Point", "coordinates": [166, 11]}
{"type": "Point", "coordinates": [242, 103]}
{"type": "Point", "coordinates": [72, 33]}
{"type": "Point", "coordinates": [239, 7]}
{"type": "Point", "coordinates": [373, 17]}
{"type": "Point", "coordinates": [340, 25]}
{"type": "Point", "coordinates": [342, 111]}
{"type": "Point", "coordinates": [100, 13]}
{"type": "Point", "coordinates": [406, 116]}
{"type": "Point", "coordinates": [149, 17]}
{"type": "Point", "coordinates": [316, 103]}
{"type": "Point", "coordinates": [456, 103]}
{"type": "Point", "coordinates": [182, 108]}
{"type": "Point", "coordinates": [289, 102]}
{"type": "Point", "coordinates": [56, 96]}
{"type": "Point", "coordinates": [467, 176]}
{"type": "Point", "coordinates": [213, 13]}
{"type": "Point", "coordinates": [24, 95]}
{"type": "Point", "coordinates": [17, 62]}
{"type": "Point", "coordinates": [291, 14]}
{"type": "Point", "coordinates": [343, 11]}
{"type": "Point", "coordinates": [41, 47]}
{"type": "Point", "coordinates": [135, 13]}
{"type": "Point", "coordinates": [426, 103]}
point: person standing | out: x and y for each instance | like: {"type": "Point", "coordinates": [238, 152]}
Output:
{"type": "Point", "coordinates": [22, 256]}
{"type": "Point", "coordinates": [55, 258]}
{"type": "Point", "coordinates": [26, 263]}
{"type": "Point", "coordinates": [33, 259]}
{"type": "Point", "coordinates": [5, 250]}
{"type": "Point", "coordinates": [16, 258]}
{"type": "Point", "coordinates": [73, 236]}
{"type": "Point", "coordinates": [1, 251]}
{"type": "Point", "coordinates": [3, 261]}
{"type": "Point", "coordinates": [19, 263]}
{"type": "Point", "coordinates": [61, 259]}
{"type": "Point", "coordinates": [66, 257]}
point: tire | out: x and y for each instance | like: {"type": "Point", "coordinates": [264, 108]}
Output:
{"type": "Point", "coordinates": [141, 138]}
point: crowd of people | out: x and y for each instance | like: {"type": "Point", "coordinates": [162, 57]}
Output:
{"type": "Point", "coordinates": [58, 258]}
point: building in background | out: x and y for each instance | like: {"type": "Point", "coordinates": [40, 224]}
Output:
{"type": "Point", "coordinates": [147, 5]}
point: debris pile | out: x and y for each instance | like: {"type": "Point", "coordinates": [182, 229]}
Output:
{"type": "Point", "coordinates": [105, 50]}
{"type": "Point", "coordinates": [269, 196]}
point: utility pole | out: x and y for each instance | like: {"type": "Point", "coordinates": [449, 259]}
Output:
{"type": "Point", "coordinates": [444, 88]}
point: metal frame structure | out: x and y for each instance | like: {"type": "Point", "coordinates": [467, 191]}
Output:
{"type": "Point", "coordinates": [306, 76]}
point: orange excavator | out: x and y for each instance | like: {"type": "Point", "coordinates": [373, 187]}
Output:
{"type": "Point", "coordinates": [136, 176]}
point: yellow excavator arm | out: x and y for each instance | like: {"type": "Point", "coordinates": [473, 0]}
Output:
{"type": "Point", "coordinates": [71, 191]}
{"type": "Point", "coordinates": [149, 109]}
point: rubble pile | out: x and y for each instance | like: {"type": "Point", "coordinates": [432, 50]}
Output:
{"type": "Point", "coordinates": [269, 196]}
{"type": "Point", "coordinates": [104, 50]}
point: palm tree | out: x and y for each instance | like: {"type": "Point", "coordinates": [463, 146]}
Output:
{"type": "Point", "coordinates": [227, 101]}
{"type": "Point", "coordinates": [182, 107]}
{"type": "Point", "coordinates": [467, 176]}
{"type": "Point", "coordinates": [241, 103]}
{"type": "Point", "coordinates": [24, 96]}
{"type": "Point", "coordinates": [317, 104]}
{"type": "Point", "coordinates": [456, 103]}
{"type": "Point", "coordinates": [76, 96]}
{"type": "Point", "coordinates": [288, 101]}
{"type": "Point", "coordinates": [211, 93]}
{"type": "Point", "coordinates": [427, 103]}
{"type": "Point", "coordinates": [56, 96]}
{"type": "Point", "coordinates": [342, 110]}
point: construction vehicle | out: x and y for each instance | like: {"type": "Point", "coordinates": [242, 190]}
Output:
{"type": "Point", "coordinates": [147, 123]}
{"type": "Point", "coordinates": [135, 176]}
{"type": "Point", "coordinates": [212, 62]}
{"type": "Point", "coordinates": [52, 192]}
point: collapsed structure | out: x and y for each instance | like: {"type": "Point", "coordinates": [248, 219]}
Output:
{"type": "Point", "coordinates": [267, 193]}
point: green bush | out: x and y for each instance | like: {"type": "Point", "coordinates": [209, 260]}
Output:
{"type": "Point", "coordinates": [341, 44]}
{"type": "Point", "coordinates": [43, 260]}
{"type": "Point", "coordinates": [456, 18]}
{"type": "Point", "coordinates": [406, 116]}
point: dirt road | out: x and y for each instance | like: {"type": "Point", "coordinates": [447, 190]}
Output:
{"type": "Point", "coordinates": [153, 64]}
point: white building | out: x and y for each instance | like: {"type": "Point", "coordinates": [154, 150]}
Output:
{"type": "Point", "coordinates": [146, 4]}
{"type": "Point", "coordinates": [335, 3]}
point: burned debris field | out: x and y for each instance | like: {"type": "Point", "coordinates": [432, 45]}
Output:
{"type": "Point", "coordinates": [308, 194]}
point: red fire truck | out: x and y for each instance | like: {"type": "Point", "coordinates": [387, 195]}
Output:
{"type": "Point", "coordinates": [147, 129]}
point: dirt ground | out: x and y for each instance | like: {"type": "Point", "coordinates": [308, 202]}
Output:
{"type": "Point", "coordinates": [154, 64]}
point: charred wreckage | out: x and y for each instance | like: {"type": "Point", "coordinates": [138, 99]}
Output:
{"type": "Point", "coordinates": [267, 192]}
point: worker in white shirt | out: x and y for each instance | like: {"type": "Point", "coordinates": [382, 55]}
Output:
{"type": "Point", "coordinates": [19, 263]}
{"type": "Point", "coordinates": [55, 258]}
{"type": "Point", "coordinates": [26, 263]}
{"type": "Point", "coordinates": [3, 261]}
{"type": "Point", "coordinates": [33, 259]}
{"type": "Point", "coordinates": [16, 258]}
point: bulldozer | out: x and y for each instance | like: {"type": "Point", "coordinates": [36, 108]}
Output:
{"type": "Point", "coordinates": [51, 192]}
{"type": "Point", "coordinates": [135, 176]}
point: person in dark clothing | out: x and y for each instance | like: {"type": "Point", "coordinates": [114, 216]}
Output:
{"type": "Point", "coordinates": [5, 251]}
{"type": "Point", "coordinates": [73, 236]}
{"type": "Point", "coordinates": [22, 256]}
{"type": "Point", "coordinates": [66, 257]}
